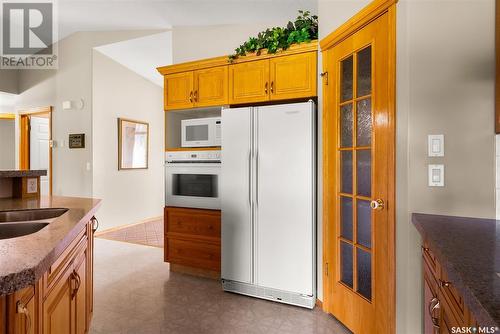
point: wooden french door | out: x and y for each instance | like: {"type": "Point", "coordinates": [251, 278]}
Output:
{"type": "Point", "coordinates": [359, 177]}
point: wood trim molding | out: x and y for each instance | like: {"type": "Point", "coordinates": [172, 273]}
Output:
{"type": "Point", "coordinates": [223, 60]}
{"type": "Point", "coordinates": [24, 151]}
{"type": "Point", "coordinates": [37, 110]}
{"type": "Point", "coordinates": [358, 21]}
{"type": "Point", "coordinates": [7, 116]}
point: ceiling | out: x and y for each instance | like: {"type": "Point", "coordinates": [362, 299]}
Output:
{"type": "Point", "coordinates": [96, 15]}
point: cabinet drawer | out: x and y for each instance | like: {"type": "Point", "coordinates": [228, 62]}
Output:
{"type": "Point", "coordinates": [65, 259]}
{"type": "Point", "coordinates": [193, 253]}
{"type": "Point", "coordinates": [453, 298]}
{"type": "Point", "coordinates": [193, 222]}
{"type": "Point", "coordinates": [431, 261]}
{"type": "Point", "coordinates": [448, 319]}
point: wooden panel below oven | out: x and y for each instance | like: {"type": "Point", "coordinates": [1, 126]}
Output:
{"type": "Point", "coordinates": [192, 240]}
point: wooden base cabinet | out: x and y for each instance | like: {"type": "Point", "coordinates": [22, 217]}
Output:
{"type": "Point", "coordinates": [192, 240]}
{"type": "Point", "coordinates": [61, 301]}
{"type": "Point", "coordinates": [444, 308]}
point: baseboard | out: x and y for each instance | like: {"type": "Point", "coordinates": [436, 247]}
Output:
{"type": "Point", "coordinates": [319, 304]}
{"type": "Point", "coordinates": [121, 227]}
{"type": "Point", "coordinates": [179, 268]}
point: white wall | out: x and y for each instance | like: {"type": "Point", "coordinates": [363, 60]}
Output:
{"type": "Point", "coordinates": [128, 196]}
{"type": "Point", "coordinates": [7, 144]}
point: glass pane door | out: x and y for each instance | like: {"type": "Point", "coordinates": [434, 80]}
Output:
{"type": "Point", "coordinates": [355, 191]}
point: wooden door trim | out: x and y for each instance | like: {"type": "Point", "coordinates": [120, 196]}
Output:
{"type": "Point", "coordinates": [24, 149]}
{"type": "Point", "coordinates": [355, 23]}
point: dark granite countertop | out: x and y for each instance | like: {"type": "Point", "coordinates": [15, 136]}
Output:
{"type": "Point", "coordinates": [25, 259]}
{"type": "Point", "coordinates": [8, 173]}
{"type": "Point", "coordinates": [468, 249]}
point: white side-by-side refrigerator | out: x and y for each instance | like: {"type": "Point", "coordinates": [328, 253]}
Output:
{"type": "Point", "coordinates": [268, 188]}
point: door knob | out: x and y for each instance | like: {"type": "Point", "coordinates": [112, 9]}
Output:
{"type": "Point", "coordinates": [377, 204]}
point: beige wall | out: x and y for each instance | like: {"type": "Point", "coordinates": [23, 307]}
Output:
{"type": "Point", "coordinates": [9, 81]}
{"type": "Point", "coordinates": [129, 195]}
{"type": "Point", "coordinates": [71, 82]}
{"type": "Point", "coordinates": [193, 43]}
{"type": "Point", "coordinates": [445, 82]}
{"type": "Point", "coordinates": [7, 144]}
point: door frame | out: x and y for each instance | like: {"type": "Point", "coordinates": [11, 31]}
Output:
{"type": "Point", "coordinates": [367, 15]}
{"type": "Point", "coordinates": [24, 137]}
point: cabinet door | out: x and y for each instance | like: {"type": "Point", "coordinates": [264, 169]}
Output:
{"type": "Point", "coordinates": [22, 310]}
{"type": "Point", "coordinates": [211, 86]}
{"type": "Point", "coordinates": [58, 306]}
{"type": "Point", "coordinates": [249, 82]}
{"type": "Point", "coordinates": [91, 228]}
{"type": "Point", "coordinates": [80, 294]}
{"type": "Point", "coordinates": [293, 76]}
{"type": "Point", "coordinates": [179, 91]}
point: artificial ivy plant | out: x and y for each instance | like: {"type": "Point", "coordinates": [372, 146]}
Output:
{"type": "Point", "coordinates": [303, 29]}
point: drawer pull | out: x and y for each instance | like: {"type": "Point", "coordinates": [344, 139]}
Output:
{"type": "Point", "coordinates": [435, 320]}
{"type": "Point", "coordinates": [76, 277]}
{"type": "Point", "coordinates": [95, 224]}
{"type": "Point", "coordinates": [22, 309]}
{"type": "Point", "coordinates": [432, 304]}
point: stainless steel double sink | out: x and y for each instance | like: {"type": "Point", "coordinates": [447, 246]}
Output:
{"type": "Point", "coordinates": [16, 223]}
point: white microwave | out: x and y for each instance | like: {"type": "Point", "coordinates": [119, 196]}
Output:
{"type": "Point", "coordinates": [201, 132]}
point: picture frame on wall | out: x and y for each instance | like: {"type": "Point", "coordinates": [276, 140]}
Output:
{"type": "Point", "coordinates": [133, 144]}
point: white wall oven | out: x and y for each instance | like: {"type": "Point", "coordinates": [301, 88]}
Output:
{"type": "Point", "coordinates": [201, 132]}
{"type": "Point", "coordinates": [192, 179]}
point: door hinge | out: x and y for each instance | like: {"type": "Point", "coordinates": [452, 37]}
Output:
{"type": "Point", "coordinates": [325, 76]}
{"type": "Point", "coordinates": [326, 268]}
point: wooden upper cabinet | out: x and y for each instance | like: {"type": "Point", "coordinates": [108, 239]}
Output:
{"type": "Point", "coordinates": [211, 87]}
{"type": "Point", "coordinates": [179, 90]}
{"type": "Point", "coordinates": [293, 76]}
{"type": "Point", "coordinates": [249, 82]}
{"type": "Point", "coordinates": [287, 75]}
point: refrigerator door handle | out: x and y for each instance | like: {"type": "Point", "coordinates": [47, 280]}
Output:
{"type": "Point", "coordinates": [257, 178]}
{"type": "Point", "coordinates": [250, 178]}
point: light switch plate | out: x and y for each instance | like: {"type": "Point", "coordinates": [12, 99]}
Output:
{"type": "Point", "coordinates": [31, 185]}
{"type": "Point", "coordinates": [436, 175]}
{"type": "Point", "coordinates": [436, 145]}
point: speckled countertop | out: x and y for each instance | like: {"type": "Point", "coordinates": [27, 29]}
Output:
{"type": "Point", "coordinates": [7, 173]}
{"type": "Point", "coordinates": [23, 260]}
{"type": "Point", "coordinates": [468, 249]}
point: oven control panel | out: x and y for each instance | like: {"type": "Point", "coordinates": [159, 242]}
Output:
{"type": "Point", "coordinates": [193, 156]}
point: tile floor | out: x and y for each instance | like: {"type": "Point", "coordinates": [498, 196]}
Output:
{"type": "Point", "coordinates": [147, 233]}
{"type": "Point", "coordinates": [136, 294]}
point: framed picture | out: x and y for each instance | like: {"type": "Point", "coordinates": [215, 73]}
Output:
{"type": "Point", "coordinates": [133, 144]}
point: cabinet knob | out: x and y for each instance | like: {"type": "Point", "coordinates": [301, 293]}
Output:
{"type": "Point", "coordinates": [265, 87]}
{"type": "Point", "coordinates": [272, 87]}
{"type": "Point", "coordinates": [191, 97]}
{"type": "Point", "coordinates": [445, 284]}
{"type": "Point", "coordinates": [95, 224]}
